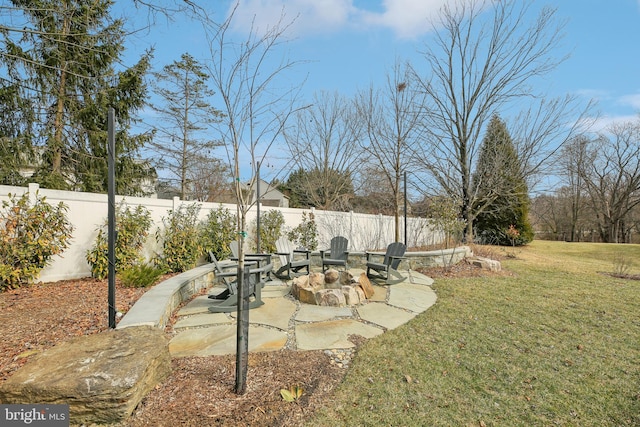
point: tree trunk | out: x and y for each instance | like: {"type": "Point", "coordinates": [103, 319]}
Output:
{"type": "Point", "coordinates": [56, 155]}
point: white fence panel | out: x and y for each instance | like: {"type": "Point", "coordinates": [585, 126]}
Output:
{"type": "Point", "coordinates": [88, 211]}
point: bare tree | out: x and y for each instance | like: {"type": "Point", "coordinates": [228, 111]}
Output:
{"type": "Point", "coordinates": [374, 194]}
{"type": "Point", "coordinates": [324, 144]}
{"type": "Point", "coordinates": [210, 181]}
{"type": "Point", "coordinates": [256, 110]}
{"type": "Point", "coordinates": [477, 66]}
{"type": "Point", "coordinates": [609, 168]}
{"type": "Point", "coordinates": [392, 130]}
{"type": "Point", "coordinates": [572, 160]}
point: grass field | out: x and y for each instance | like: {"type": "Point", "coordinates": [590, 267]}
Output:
{"type": "Point", "coordinates": [555, 343]}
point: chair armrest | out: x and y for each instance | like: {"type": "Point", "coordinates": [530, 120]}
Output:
{"type": "Point", "coordinates": [255, 258]}
{"type": "Point", "coordinates": [288, 255]}
{"type": "Point", "coordinates": [265, 256]}
{"type": "Point", "coordinates": [304, 252]}
{"type": "Point", "coordinates": [368, 255]}
{"type": "Point", "coordinates": [230, 273]}
{"type": "Point", "coordinates": [267, 268]}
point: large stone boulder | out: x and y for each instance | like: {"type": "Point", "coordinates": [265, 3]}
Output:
{"type": "Point", "coordinates": [486, 263]}
{"type": "Point", "coordinates": [102, 377]}
{"type": "Point", "coordinates": [365, 285]}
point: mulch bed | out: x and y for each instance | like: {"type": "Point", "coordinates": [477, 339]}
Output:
{"type": "Point", "coordinates": [36, 317]}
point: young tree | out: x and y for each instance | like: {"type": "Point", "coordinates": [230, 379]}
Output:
{"type": "Point", "coordinates": [392, 129]}
{"type": "Point", "coordinates": [63, 56]}
{"type": "Point", "coordinates": [185, 115]}
{"type": "Point", "coordinates": [483, 57]}
{"type": "Point", "coordinates": [324, 146]}
{"type": "Point", "coordinates": [501, 195]}
{"type": "Point", "coordinates": [256, 111]}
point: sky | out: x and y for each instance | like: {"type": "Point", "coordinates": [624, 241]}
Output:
{"type": "Point", "coordinates": [346, 45]}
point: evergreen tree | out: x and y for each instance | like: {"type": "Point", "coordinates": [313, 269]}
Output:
{"type": "Point", "coordinates": [64, 59]}
{"type": "Point", "coordinates": [502, 197]}
{"type": "Point", "coordinates": [328, 189]}
{"type": "Point", "coordinates": [186, 114]}
{"type": "Point", "coordinates": [15, 134]}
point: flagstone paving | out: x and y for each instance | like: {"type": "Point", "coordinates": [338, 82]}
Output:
{"type": "Point", "coordinates": [283, 322]}
{"type": "Point", "coordinates": [332, 334]}
{"type": "Point", "coordinates": [416, 298]}
{"type": "Point", "coordinates": [384, 315]}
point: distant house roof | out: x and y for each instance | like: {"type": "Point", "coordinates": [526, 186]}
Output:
{"type": "Point", "coordinates": [270, 195]}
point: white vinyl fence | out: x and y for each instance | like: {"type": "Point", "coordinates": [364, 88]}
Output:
{"type": "Point", "coordinates": [87, 212]}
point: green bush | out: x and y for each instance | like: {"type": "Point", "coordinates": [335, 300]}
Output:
{"type": "Point", "coordinates": [132, 229]}
{"type": "Point", "coordinates": [140, 275]}
{"type": "Point", "coordinates": [444, 212]}
{"type": "Point", "coordinates": [218, 231]}
{"type": "Point", "coordinates": [29, 237]}
{"type": "Point", "coordinates": [180, 239]}
{"type": "Point", "coordinates": [306, 233]}
{"type": "Point", "coordinates": [271, 225]}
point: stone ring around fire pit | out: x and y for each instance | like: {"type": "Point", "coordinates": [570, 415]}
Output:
{"type": "Point", "coordinates": [332, 288]}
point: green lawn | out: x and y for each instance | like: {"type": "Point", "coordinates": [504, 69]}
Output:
{"type": "Point", "coordinates": [557, 343]}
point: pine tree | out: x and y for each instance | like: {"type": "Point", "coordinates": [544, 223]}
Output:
{"type": "Point", "coordinates": [185, 114]}
{"type": "Point", "coordinates": [15, 134]}
{"type": "Point", "coordinates": [65, 60]}
{"type": "Point", "coordinates": [502, 197]}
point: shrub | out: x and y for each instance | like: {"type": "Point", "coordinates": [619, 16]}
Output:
{"type": "Point", "coordinates": [140, 275]}
{"type": "Point", "coordinates": [218, 231]}
{"type": "Point", "coordinates": [29, 237]}
{"type": "Point", "coordinates": [271, 225]}
{"type": "Point", "coordinates": [444, 212]}
{"type": "Point", "coordinates": [180, 239]}
{"type": "Point", "coordinates": [132, 229]}
{"type": "Point", "coordinates": [306, 233]}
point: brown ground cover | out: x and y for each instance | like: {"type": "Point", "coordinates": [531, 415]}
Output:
{"type": "Point", "coordinates": [200, 391]}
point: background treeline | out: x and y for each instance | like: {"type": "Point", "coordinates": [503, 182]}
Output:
{"type": "Point", "coordinates": [431, 132]}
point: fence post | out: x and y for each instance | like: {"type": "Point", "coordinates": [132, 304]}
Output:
{"type": "Point", "coordinates": [33, 190]}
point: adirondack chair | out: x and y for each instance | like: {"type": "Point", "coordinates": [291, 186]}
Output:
{"type": "Point", "coordinates": [387, 270]}
{"type": "Point", "coordinates": [337, 254]}
{"type": "Point", "coordinates": [227, 300]}
{"type": "Point", "coordinates": [290, 264]}
{"type": "Point", "coordinates": [263, 260]}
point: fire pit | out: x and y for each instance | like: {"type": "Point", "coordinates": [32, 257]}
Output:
{"type": "Point", "coordinates": [333, 288]}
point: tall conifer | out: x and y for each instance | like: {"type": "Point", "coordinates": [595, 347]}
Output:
{"type": "Point", "coordinates": [65, 58]}
{"type": "Point", "coordinates": [502, 199]}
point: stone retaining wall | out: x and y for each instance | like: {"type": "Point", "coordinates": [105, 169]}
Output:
{"type": "Point", "coordinates": [413, 261]}
{"type": "Point", "coordinates": [156, 305]}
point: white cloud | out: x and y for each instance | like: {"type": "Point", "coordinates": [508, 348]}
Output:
{"type": "Point", "coordinates": [311, 16]}
{"type": "Point", "coordinates": [406, 18]}
{"type": "Point", "coordinates": [632, 100]}
{"type": "Point", "coordinates": [603, 123]}
{"type": "Point", "coordinates": [593, 94]}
